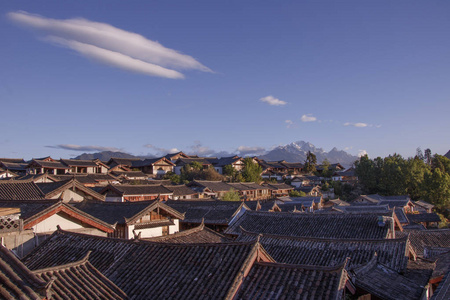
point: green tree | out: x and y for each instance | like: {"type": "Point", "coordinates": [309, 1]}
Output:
{"type": "Point", "coordinates": [436, 189]}
{"type": "Point", "coordinates": [231, 195]}
{"type": "Point", "coordinates": [295, 193]}
{"type": "Point", "coordinates": [252, 171]}
{"type": "Point", "coordinates": [310, 162]}
{"type": "Point", "coordinates": [172, 177]}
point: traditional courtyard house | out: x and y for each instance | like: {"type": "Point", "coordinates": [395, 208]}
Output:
{"type": "Point", "coordinates": [40, 218]}
{"type": "Point", "coordinates": [157, 167]}
{"type": "Point", "coordinates": [423, 206]}
{"type": "Point", "coordinates": [293, 168]}
{"type": "Point", "coordinates": [132, 193]}
{"type": "Point", "coordinates": [326, 225]}
{"type": "Point", "coordinates": [173, 157]}
{"type": "Point", "coordinates": [347, 176]}
{"type": "Point", "coordinates": [208, 189]}
{"type": "Point", "coordinates": [181, 192]}
{"type": "Point", "coordinates": [56, 282]}
{"type": "Point", "coordinates": [314, 191]}
{"type": "Point", "coordinates": [122, 164]}
{"type": "Point", "coordinates": [70, 191]}
{"type": "Point", "coordinates": [274, 166]}
{"type": "Point", "coordinates": [248, 192]}
{"type": "Point", "coordinates": [235, 161]}
{"type": "Point", "coordinates": [302, 203]}
{"type": "Point", "coordinates": [12, 160]}
{"type": "Point", "coordinates": [131, 219]}
{"type": "Point", "coordinates": [38, 178]}
{"type": "Point", "coordinates": [279, 189]}
{"type": "Point", "coordinates": [403, 202]}
{"type": "Point", "coordinates": [260, 192]}
{"type": "Point", "coordinates": [216, 215]}
{"type": "Point", "coordinates": [47, 165]}
{"type": "Point", "coordinates": [16, 168]}
{"type": "Point", "coordinates": [333, 167]}
{"type": "Point", "coordinates": [305, 180]}
{"type": "Point", "coordinates": [80, 166]}
{"type": "Point", "coordinates": [189, 271]}
{"type": "Point", "coordinates": [181, 162]}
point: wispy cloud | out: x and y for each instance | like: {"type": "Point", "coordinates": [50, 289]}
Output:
{"type": "Point", "coordinates": [162, 151]}
{"type": "Point", "coordinates": [271, 100]}
{"type": "Point", "coordinates": [112, 46]}
{"type": "Point", "coordinates": [308, 118]}
{"type": "Point", "coordinates": [84, 148]}
{"type": "Point", "coordinates": [360, 125]}
{"type": "Point", "coordinates": [289, 123]}
{"type": "Point", "coordinates": [247, 151]}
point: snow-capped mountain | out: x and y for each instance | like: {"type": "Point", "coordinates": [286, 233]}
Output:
{"type": "Point", "coordinates": [297, 151]}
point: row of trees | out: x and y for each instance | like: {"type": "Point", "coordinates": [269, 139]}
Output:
{"type": "Point", "coordinates": [422, 177]}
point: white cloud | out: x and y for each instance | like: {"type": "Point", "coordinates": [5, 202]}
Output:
{"type": "Point", "coordinates": [271, 100]}
{"type": "Point", "coordinates": [360, 125]}
{"type": "Point", "coordinates": [123, 49]}
{"type": "Point", "coordinates": [308, 118]}
{"type": "Point", "coordinates": [362, 153]}
{"type": "Point", "coordinates": [245, 150]}
{"type": "Point", "coordinates": [84, 148]}
{"type": "Point", "coordinates": [162, 151]}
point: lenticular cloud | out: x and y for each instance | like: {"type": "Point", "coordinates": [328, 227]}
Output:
{"type": "Point", "coordinates": [111, 45]}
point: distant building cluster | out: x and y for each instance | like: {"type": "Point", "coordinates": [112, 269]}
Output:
{"type": "Point", "coordinates": [117, 229]}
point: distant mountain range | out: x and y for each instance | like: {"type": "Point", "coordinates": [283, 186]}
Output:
{"type": "Point", "coordinates": [104, 155]}
{"type": "Point", "coordinates": [447, 154]}
{"type": "Point", "coordinates": [297, 151]}
{"type": "Point", "coordinates": [294, 152]}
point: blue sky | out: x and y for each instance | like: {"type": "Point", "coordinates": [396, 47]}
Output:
{"type": "Point", "coordinates": [232, 76]}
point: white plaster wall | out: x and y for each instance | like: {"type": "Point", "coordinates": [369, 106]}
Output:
{"type": "Point", "coordinates": [49, 224]}
{"type": "Point", "coordinates": [174, 228]}
{"type": "Point", "coordinates": [114, 199]}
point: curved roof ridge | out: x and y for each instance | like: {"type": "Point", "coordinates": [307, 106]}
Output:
{"type": "Point", "coordinates": [80, 262]}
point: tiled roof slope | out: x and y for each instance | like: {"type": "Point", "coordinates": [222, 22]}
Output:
{"type": "Point", "coordinates": [331, 252]}
{"type": "Point", "coordinates": [212, 212]}
{"type": "Point", "coordinates": [149, 270]}
{"type": "Point", "coordinates": [28, 208]}
{"type": "Point", "coordinates": [199, 234]}
{"type": "Point", "coordinates": [16, 281]}
{"type": "Point", "coordinates": [23, 190]}
{"type": "Point", "coordinates": [385, 283]}
{"type": "Point", "coordinates": [339, 226]}
{"type": "Point", "coordinates": [443, 290]}
{"type": "Point", "coordinates": [278, 281]}
{"type": "Point", "coordinates": [64, 247]}
{"type": "Point", "coordinates": [188, 271]}
{"type": "Point", "coordinates": [144, 189]}
{"type": "Point", "coordinates": [420, 239]}
{"type": "Point", "coordinates": [79, 280]}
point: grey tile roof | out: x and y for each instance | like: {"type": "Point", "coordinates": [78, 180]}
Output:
{"type": "Point", "coordinates": [16, 281]}
{"type": "Point", "coordinates": [142, 189]}
{"type": "Point", "coordinates": [122, 212]}
{"type": "Point", "coordinates": [20, 190]}
{"type": "Point", "coordinates": [79, 280]}
{"type": "Point", "coordinates": [28, 208]}
{"type": "Point", "coordinates": [385, 283]}
{"type": "Point", "coordinates": [78, 163]}
{"type": "Point", "coordinates": [278, 281]}
{"type": "Point", "coordinates": [180, 190]}
{"type": "Point", "coordinates": [332, 252]}
{"type": "Point", "coordinates": [363, 209]}
{"type": "Point", "coordinates": [215, 186]}
{"type": "Point", "coordinates": [443, 290]}
{"type": "Point", "coordinates": [146, 270]}
{"type": "Point", "coordinates": [199, 234]}
{"type": "Point", "coordinates": [348, 226]}
{"type": "Point", "coordinates": [428, 238]}
{"type": "Point", "coordinates": [424, 217]}
{"type": "Point", "coordinates": [212, 212]}
{"type": "Point", "coordinates": [50, 164]}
